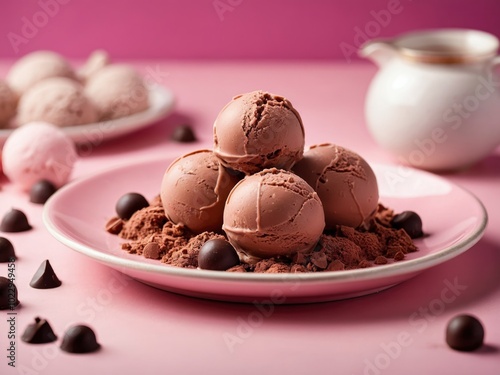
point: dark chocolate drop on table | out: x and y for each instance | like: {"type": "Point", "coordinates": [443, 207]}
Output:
{"type": "Point", "coordinates": [465, 333]}
{"type": "Point", "coordinates": [183, 134]}
{"type": "Point", "coordinates": [14, 221]}
{"type": "Point", "coordinates": [45, 277]}
{"type": "Point", "coordinates": [79, 339]}
{"type": "Point", "coordinates": [8, 294]}
{"type": "Point", "coordinates": [41, 191]}
{"type": "Point", "coordinates": [39, 332]}
{"type": "Point", "coordinates": [7, 253]}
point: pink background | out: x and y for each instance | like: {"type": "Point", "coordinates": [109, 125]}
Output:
{"type": "Point", "coordinates": [275, 29]}
{"type": "Point", "coordinates": [147, 331]}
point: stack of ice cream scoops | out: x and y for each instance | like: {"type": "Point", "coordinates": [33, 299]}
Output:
{"type": "Point", "coordinates": [43, 93]}
{"type": "Point", "coordinates": [43, 86]}
{"type": "Point", "coordinates": [258, 202]}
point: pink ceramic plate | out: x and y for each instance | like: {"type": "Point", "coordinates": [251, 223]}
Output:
{"type": "Point", "coordinates": [76, 216]}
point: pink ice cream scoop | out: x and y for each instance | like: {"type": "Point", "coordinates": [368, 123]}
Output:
{"type": "Point", "coordinates": [194, 190]}
{"type": "Point", "coordinates": [38, 151]}
{"type": "Point", "coordinates": [272, 213]}
{"type": "Point", "coordinates": [344, 181]}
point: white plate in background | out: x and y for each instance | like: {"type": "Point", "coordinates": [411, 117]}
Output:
{"type": "Point", "coordinates": [161, 103]}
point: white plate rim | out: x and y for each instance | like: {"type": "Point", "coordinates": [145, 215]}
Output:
{"type": "Point", "coordinates": [395, 269]}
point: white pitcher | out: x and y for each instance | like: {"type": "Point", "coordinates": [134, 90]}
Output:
{"type": "Point", "coordinates": [435, 102]}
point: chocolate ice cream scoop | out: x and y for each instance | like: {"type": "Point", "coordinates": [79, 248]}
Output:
{"type": "Point", "coordinates": [344, 182]}
{"type": "Point", "coordinates": [194, 190]}
{"type": "Point", "coordinates": [272, 213]}
{"type": "Point", "coordinates": [258, 130]}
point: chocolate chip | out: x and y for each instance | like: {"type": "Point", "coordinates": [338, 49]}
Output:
{"type": "Point", "coordinates": [7, 253]}
{"type": "Point", "coordinates": [14, 221]}
{"type": "Point", "coordinates": [79, 339]}
{"type": "Point", "coordinates": [130, 203]}
{"type": "Point", "coordinates": [410, 222]}
{"type": "Point", "coordinates": [465, 333]}
{"type": "Point", "coordinates": [41, 191]}
{"type": "Point", "coordinates": [114, 225]}
{"type": "Point", "coordinates": [151, 251]}
{"type": "Point", "coordinates": [45, 277]}
{"type": "Point", "coordinates": [8, 294]}
{"type": "Point", "coordinates": [184, 134]}
{"type": "Point", "coordinates": [399, 256]}
{"type": "Point", "coordinates": [39, 332]}
{"type": "Point", "coordinates": [218, 255]}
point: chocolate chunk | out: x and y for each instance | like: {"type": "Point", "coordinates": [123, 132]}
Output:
{"type": "Point", "coordinates": [319, 260]}
{"type": "Point", "coordinates": [114, 225]}
{"type": "Point", "coordinates": [465, 333]}
{"type": "Point", "coordinates": [7, 253]}
{"type": "Point", "coordinates": [79, 339]}
{"type": "Point", "coordinates": [45, 277]}
{"type": "Point", "coordinates": [336, 265]}
{"type": "Point", "coordinates": [399, 256]}
{"type": "Point", "coordinates": [184, 134]}
{"type": "Point", "coordinates": [380, 260]}
{"type": "Point", "coordinates": [14, 221]}
{"type": "Point", "coordinates": [410, 222]}
{"type": "Point", "coordinates": [41, 191]}
{"type": "Point", "coordinates": [217, 255]}
{"type": "Point", "coordinates": [8, 294]}
{"type": "Point", "coordinates": [129, 203]}
{"type": "Point", "coordinates": [39, 332]}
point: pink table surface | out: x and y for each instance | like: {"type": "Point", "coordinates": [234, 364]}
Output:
{"type": "Point", "coordinates": [148, 331]}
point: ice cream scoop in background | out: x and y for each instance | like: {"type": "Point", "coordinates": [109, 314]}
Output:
{"type": "Point", "coordinates": [38, 151]}
{"type": "Point", "coordinates": [272, 213]}
{"type": "Point", "coordinates": [117, 90]}
{"type": "Point", "coordinates": [35, 67]}
{"type": "Point", "coordinates": [8, 103]}
{"type": "Point", "coordinates": [59, 101]}
{"type": "Point", "coordinates": [96, 61]}
{"type": "Point", "coordinates": [258, 130]}
{"type": "Point", "coordinates": [194, 190]}
{"type": "Point", "coordinates": [344, 181]}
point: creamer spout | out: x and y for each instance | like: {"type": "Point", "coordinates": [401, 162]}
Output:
{"type": "Point", "coordinates": [379, 51]}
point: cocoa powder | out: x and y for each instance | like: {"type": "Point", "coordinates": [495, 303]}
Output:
{"type": "Point", "coordinates": [153, 236]}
